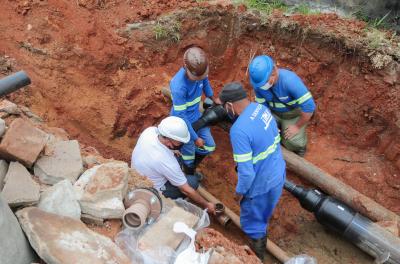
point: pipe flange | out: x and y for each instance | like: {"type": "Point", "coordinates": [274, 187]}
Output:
{"type": "Point", "coordinates": [149, 197]}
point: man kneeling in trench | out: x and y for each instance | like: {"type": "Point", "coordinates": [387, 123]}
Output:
{"type": "Point", "coordinates": [154, 157]}
{"type": "Point", "coordinates": [260, 165]}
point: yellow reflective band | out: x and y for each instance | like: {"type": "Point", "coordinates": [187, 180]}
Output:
{"type": "Point", "coordinates": [209, 148]}
{"type": "Point", "coordinates": [300, 100]}
{"type": "Point", "coordinates": [195, 101]}
{"type": "Point", "coordinates": [260, 100]}
{"type": "Point", "coordinates": [187, 157]}
{"type": "Point", "coordinates": [271, 149]}
{"type": "Point", "coordinates": [243, 157]}
{"type": "Point", "coordinates": [180, 107]}
{"type": "Point", "coordinates": [304, 98]}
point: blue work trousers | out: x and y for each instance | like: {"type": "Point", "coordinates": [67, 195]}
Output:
{"type": "Point", "coordinates": [189, 149]}
{"type": "Point", "coordinates": [255, 212]}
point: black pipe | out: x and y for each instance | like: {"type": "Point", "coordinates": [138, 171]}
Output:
{"type": "Point", "coordinates": [340, 218]}
{"type": "Point", "coordinates": [212, 115]}
{"type": "Point", "coordinates": [14, 82]}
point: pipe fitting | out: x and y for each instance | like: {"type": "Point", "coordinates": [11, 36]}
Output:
{"type": "Point", "coordinates": [143, 205]}
{"type": "Point", "coordinates": [222, 218]}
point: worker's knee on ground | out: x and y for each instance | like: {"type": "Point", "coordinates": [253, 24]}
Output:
{"type": "Point", "coordinates": [297, 142]}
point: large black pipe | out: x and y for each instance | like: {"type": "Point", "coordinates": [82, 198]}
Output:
{"type": "Point", "coordinates": [14, 82]}
{"type": "Point", "coordinates": [340, 218]}
{"type": "Point", "coordinates": [212, 115]}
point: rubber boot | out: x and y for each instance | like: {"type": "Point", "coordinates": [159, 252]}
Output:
{"type": "Point", "coordinates": [188, 170]}
{"type": "Point", "coordinates": [198, 158]}
{"type": "Point", "coordinates": [259, 247]}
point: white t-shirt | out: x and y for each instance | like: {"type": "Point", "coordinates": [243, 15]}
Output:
{"type": "Point", "coordinates": [154, 160]}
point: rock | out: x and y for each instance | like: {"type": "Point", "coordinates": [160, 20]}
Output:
{"type": "Point", "coordinates": [91, 220]}
{"type": "Point", "coordinates": [3, 172]}
{"type": "Point", "coordinates": [9, 108]}
{"type": "Point", "coordinates": [34, 118]}
{"type": "Point", "coordinates": [20, 188]}
{"type": "Point", "coordinates": [58, 239]}
{"type": "Point", "coordinates": [62, 161]}
{"type": "Point", "coordinates": [14, 247]}
{"type": "Point", "coordinates": [2, 127]}
{"type": "Point", "coordinates": [22, 142]}
{"type": "Point", "coordinates": [101, 190]}
{"type": "Point", "coordinates": [61, 199]}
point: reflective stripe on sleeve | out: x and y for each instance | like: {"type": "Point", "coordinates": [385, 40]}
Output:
{"type": "Point", "coordinates": [260, 100]}
{"type": "Point", "coordinates": [243, 157]}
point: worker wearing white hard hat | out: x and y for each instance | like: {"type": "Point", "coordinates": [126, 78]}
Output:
{"type": "Point", "coordinates": [154, 157]}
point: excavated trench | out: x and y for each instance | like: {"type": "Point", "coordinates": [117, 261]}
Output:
{"type": "Point", "coordinates": [101, 81]}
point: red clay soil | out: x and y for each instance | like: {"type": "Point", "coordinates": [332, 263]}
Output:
{"type": "Point", "coordinates": [104, 89]}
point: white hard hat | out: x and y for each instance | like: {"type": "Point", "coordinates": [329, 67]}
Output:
{"type": "Point", "coordinates": [175, 128]}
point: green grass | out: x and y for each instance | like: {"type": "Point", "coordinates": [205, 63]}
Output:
{"type": "Point", "coordinates": [305, 10]}
{"type": "Point", "coordinates": [168, 30]}
{"type": "Point", "coordinates": [378, 22]}
{"type": "Point", "coordinates": [266, 5]}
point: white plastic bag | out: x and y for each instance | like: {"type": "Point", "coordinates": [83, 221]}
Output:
{"type": "Point", "coordinates": [302, 259]}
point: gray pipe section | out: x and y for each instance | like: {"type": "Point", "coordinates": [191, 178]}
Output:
{"type": "Point", "coordinates": [14, 82]}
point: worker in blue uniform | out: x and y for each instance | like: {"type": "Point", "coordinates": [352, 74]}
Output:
{"type": "Point", "coordinates": [261, 168]}
{"type": "Point", "coordinates": [287, 97]}
{"type": "Point", "coordinates": [187, 87]}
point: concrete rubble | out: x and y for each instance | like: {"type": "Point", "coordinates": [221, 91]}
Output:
{"type": "Point", "coordinates": [14, 247]}
{"type": "Point", "coordinates": [3, 172]}
{"type": "Point", "coordinates": [61, 199]}
{"type": "Point", "coordinates": [59, 239]}
{"type": "Point", "coordinates": [62, 160]}
{"type": "Point", "coordinates": [101, 190]}
{"type": "Point", "coordinates": [22, 142]}
{"type": "Point", "coordinates": [19, 188]}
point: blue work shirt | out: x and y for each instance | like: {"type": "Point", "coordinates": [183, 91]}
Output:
{"type": "Point", "coordinates": [256, 150]}
{"type": "Point", "coordinates": [289, 89]}
{"type": "Point", "coordinates": [186, 97]}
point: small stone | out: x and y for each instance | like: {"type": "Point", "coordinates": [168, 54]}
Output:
{"type": "Point", "coordinates": [2, 127]}
{"type": "Point", "coordinates": [60, 239]}
{"type": "Point", "coordinates": [3, 172]}
{"type": "Point", "coordinates": [61, 199]}
{"type": "Point", "coordinates": [9, 108]}
{"type": "Point", "coordinates": [101, 190]}
{"type": "Point", "coordinates": [22, 142]}
{"type": "Point", "coordinates": [62, 161]}
{"type": "Point", "coordinates": [19, 188]}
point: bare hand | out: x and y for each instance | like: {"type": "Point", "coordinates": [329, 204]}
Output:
{"type": "Point", "coordinates": [291, 131]}
{"type": "Point", "coordinates": [177, 153]}
{"type": "Point", "coordinates": [217, 100]}
{"type": "Point", "coordinates": [211, 208]}
{"type": "Point", "coordinates": [199, 142]}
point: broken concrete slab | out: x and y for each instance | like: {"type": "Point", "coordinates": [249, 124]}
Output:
{"type": "Point", "coordinates": [61, 199]}
{"type": "Point", "coordinates": [58, 239]}
{"type": "Point", "coordinates": [163, 230]}
{"type": "Point", "coordinates": [62, 160]}
{"type": "Point", "coordinates": [101, 190]}
{"type": "Point", "coordinates": [14, 247]}
{"type": "Point", "coordinates": [19, 187]}
{"type": "Point", "coordinates": [3, 172]}
{"type": "Point", "coordinates": [22, 142]}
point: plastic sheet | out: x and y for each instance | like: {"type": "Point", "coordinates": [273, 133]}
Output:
{"type": "Point", "coordinates": [302, 259]}
{"type": "Point", "coordinates": [127, 240]}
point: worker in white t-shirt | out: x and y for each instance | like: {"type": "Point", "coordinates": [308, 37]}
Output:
{"type": "Point", "coordinates": [154, 157]}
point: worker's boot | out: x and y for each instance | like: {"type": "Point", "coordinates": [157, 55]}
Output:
{"type": "Point", "coordinates": [198, 158]}
{"type": "Point", "coordinates": [259, 247]}
{"type": "Point", "coordinates": [188, 170]}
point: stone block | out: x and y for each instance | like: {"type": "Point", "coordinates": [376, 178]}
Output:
{"type": "Point", "coordinates": [62, 160]}
{"type": "Point", "coordinates": [59, 239]}
{"type": "Point", "coordinates": [22, 142]}
{"type": "Point", "coordinates": [61, 199]}
{"type": "Point", "coordinates": [19, 187]}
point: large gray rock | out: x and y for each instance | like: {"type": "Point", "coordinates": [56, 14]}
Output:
{"type": "Point", "coordinates": [22, 142]}
{"type": "Point", "coordinates": [2, 127]}
{"type": "Point", "coordinates": [65, 240]}
{"type": "Point", "coordinates": [61, 199]}
{"type": "Point", "coordinates": [3, 172]}
{"type": "Point", "coordinates": [62, 160]}
{"type": "Point", "coordinates": [19, 188]}
{"type": "Point", "coordinates": [14, 247]}
{"type": "Point", "coordinates": [101, 189]}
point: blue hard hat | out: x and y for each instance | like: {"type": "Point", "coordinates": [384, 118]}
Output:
{"type": "Point", "coordinates": [260, 70]}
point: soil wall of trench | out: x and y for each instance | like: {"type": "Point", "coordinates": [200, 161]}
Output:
{"type": "Point", "coordinates": [98, 71]}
